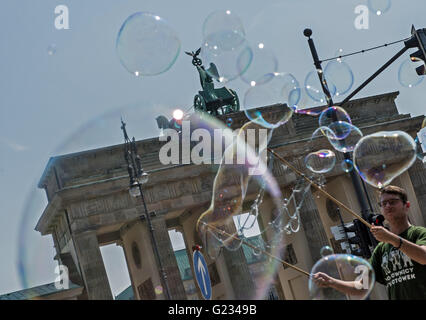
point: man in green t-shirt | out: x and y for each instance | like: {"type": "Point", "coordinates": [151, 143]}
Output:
{"type": "Point", "coordinates": [399, 260]}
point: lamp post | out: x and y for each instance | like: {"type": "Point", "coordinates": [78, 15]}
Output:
{"type": "Point", "coordinates": [138, 177]}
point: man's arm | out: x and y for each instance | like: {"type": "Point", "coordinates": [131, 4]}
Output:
{"type": "Point", "coordinates": [323, 280]}
{"type": "Point", "coordinates": [414, 251]}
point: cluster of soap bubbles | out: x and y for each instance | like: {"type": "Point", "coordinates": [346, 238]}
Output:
{"type": "Point", "coordinates": [147, 45]}
{"type": "Point", "coordinates": [335, 130]}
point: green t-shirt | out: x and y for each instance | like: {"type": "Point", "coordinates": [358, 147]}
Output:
{"type": "Point", "coordinates": [404, 278]}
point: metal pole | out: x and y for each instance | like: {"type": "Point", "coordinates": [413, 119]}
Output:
{"type": "Point", "coordinates": [154, 243]}
{"type": "Point", "coordinates": [387, 64]}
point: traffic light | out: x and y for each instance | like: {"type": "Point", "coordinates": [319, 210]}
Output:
{"type": "Point", "coordinates": [418, 40]}
{"type": "Point", "coordinates": [376, 219]}
{"type": "Point", "coordinates": [361, 238]}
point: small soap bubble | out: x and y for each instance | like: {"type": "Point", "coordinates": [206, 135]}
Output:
{"type": "Point", "coordinates": [158, 290]}
{"type": "Point", "coordinates": [326, 251]}
{"type": "Point", "coordinates": [342, 135]}
{"type": "Point", "coordinates": [333, 114]}
{"type": "Point", "coordinates": [379, 7]}
{"type": "Point", "coordinates": [51, 49]}
{"type": "Point", "coordinates": [321, 161]}
{"type": "Point", "coordinates": [229, 122]}
{"type": "Point", "coordinates": [347, 165]}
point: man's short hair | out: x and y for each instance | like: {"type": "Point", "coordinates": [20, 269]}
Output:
{"type": "Point", "coordinates": [395, 190]}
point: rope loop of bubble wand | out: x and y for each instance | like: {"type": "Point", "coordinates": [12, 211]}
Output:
{"type": "Point", "coordinates": [325, 193]}
{"type": "Point", "coordinates": [257, 248]}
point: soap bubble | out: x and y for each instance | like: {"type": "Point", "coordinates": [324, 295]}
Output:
{"type": "Point", "coordinates": [326, 251]}
{"type": "Point", "coordinates": [222, 20]}
{"type": "Point", "coordinates": [147, 45]}
{"type": "Point", "coordinates": [234, 180]}
{"type": "Point", "coordinates": [343, 267]}
{"type": "Point", "coordinates": [347, 165]}
{"type": "Point", "coordinates": [264, 62]}
{"type": "Point", "coordinates": [382, 156]}
{"type": "Point", "coordinates": [420, 153]}
{"type": "Point", "coordinates": [342, 135]}
{"type": "Point", "coordinates": [340, 75]}
{"type": "Point", "coordinates": [36, 261]}
{"type": "Point", "coordinates": [314, 89]}
{"type": "Point", "coordinates": [283, 89]}
{"type": "Point", "coordinates": [379, 7]}
{"type": "Point", "coordinates": [339, 53]}
{"type": "Point", "coordinates": [333, 114]}
{"type": "Point", "coordinates": [51, 49]}
{"type": "Point", "coordinates": [407, 75]}
{"type": "Point", "coordinates": [321, 161]}
{"type": "Point", "coordinates": [229, 122]}
{"type": "Point", "coordinates": [230, 52]}
{"type": "Point", "coordinates": [158, 290]}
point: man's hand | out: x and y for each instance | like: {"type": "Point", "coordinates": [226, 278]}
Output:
{"type": "Point", "coordinates": [383, 235]}
{"type": "Point", "coordinates": [322, 280]}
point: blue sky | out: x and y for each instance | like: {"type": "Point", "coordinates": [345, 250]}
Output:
{"type": "Point", "coordinates": [72, 100]}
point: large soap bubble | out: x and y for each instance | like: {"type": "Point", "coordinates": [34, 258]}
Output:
{"type": "Point", "coordinates": [382, 156]}
{"type": "Point", "coordinates": [241, 175]}
{"type": "Point", "coordinates": [264, 62]}
{"type": "Point", "coordinates": [314, 89]}
{"type": "Point", "coordinates": [222, 20]}
{"type": "Point", "coordinates": [342, 267]}
{"type": "Point", "coordinates": [340, 75]}
{"type": "Point", "coordinates": [35, 261]}
{"type": "Point", "coordinates": [147, 45]}
{"type": "Point", "coordinates": [407, 75]}
{"type": "Point", "coordinates": [230, 52]}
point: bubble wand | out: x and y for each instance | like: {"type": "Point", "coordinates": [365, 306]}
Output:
{"type": "Point", "coordinates": [326, 194]}
{"type": "Point", "coordinates": [257, 248]}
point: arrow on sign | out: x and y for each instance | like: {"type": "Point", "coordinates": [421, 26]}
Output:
{"type": "Point", "coordinates": [202, 271]}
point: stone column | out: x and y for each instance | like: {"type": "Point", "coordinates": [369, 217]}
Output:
{"type": "Point", "coordinates": [238, 270]}
{"type": "Point", "coordinates": [314, 230]}
{"type": "Point", "coordinates": [417, 174]}
{"type": "Point", "coordinates": [92, 265]}
{"type": "Point", "coordinates": [168, 259]}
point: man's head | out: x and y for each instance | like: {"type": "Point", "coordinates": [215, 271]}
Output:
{"type": "Point", "coordinates": [394, 203]}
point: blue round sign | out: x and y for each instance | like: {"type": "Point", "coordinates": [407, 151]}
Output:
{"type": "Point", "coordinates": [202, 274]}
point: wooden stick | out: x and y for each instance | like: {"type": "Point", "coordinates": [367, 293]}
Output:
{"type": "Point", "coordinates": [319, 188]}
{"type": "Point", "coordinates": [256, 248]}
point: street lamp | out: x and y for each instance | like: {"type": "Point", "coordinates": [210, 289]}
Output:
{"type": "Point", "coordinates": [137, 178]}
